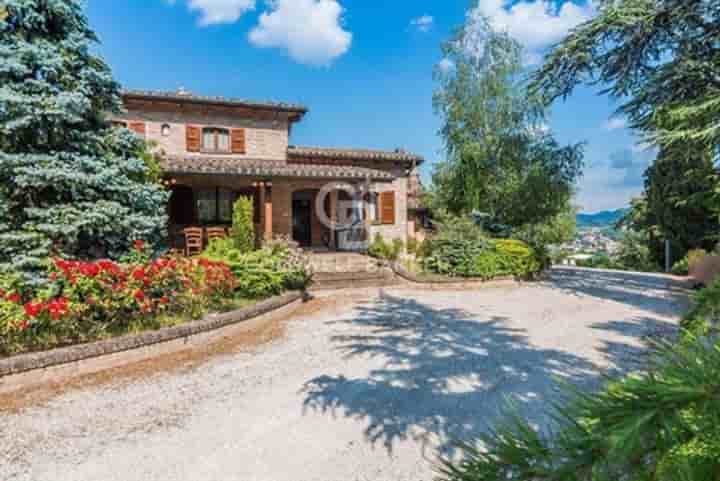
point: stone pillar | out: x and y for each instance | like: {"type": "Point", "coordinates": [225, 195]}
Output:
{"type": "Point", "coordinates": [268, 213]}
{"type": "Point", "coordinates": [333, 217]}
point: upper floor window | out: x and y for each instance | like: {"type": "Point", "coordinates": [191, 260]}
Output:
{"type": "Point", "coordinates": [215, 140]}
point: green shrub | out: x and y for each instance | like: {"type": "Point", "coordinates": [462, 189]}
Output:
{"type": "Point", "coordinates": [412, 246]}
{"type": "Point", "coordinates": [681, 267]}
{"type": "Point", "coordinates": [243, 228]}
{"type": "Point", "coordinates": [598, 261]}
{"type": "Point", "coordinates": [265, 272]}
{"type": "Point", "coordinates": [453, 249]}
{"type": "Point", "coordinates": [705, 310]}
{"type": "Point", "coordinates": [517, 258]}
{"type": "Point", "coordinates": [687, 263]}
{"type": "Point", "coordinates": [380, 249]}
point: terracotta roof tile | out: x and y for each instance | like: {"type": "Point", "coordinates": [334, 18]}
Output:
{"type": "Point", "coordinates": [203, 99]}
{"type": "Point", "coordinates": [261, 167]}
{"type": "Point", "coordinates": [353, 154]}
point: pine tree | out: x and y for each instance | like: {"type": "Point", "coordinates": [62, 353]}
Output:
{"type": "Point", "coordinates": [69, 184]}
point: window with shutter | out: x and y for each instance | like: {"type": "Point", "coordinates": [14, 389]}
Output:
{"type": "Point", "coordinates": [138, 128]}
{"type": "Point", "coordinates": [387, 208]}
{"type": "Point", "coordinates": [237, 137]}
{"type": "Point", "coordinates": [193, 138]}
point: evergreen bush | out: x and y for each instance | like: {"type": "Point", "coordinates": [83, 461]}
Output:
{"type": "Point", "coordinates": [69, 184]}
{"type": "Point", "coordinates": [243, 229]}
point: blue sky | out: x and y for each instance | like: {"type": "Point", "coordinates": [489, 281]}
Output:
{"type": "Point", "coordinates": [364, 69]}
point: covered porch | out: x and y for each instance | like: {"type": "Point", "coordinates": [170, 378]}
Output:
{"type": "Point", "coordinates": [283, 206]}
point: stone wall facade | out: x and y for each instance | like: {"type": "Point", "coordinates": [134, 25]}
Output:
{"type": "Point", "coordinates": [264, 139]}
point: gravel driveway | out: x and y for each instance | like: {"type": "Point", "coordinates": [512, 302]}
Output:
{"type": "Point", "coordinates": [364, 385]}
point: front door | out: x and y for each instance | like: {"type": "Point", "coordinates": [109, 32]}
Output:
{"type": "Point", "coordinates": [302, 219]}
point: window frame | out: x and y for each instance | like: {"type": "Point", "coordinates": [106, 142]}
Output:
{"type": "Point", "coordinates": [216, 220]}
{"type": "Point", "coordinates": [215, 148]}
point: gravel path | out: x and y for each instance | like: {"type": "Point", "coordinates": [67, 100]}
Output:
{"type": "Point", "coordinates": [367, 385]}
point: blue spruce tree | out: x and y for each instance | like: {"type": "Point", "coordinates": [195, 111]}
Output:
{"type": "Point", "coordinates": [70, 185]}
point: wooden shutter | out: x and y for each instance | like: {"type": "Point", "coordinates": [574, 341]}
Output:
{"type": "Point", "coordinates": [387, 207]}
{"type": "Point", "coordinates": [193, 138]}
{"type": "Point", "coordinates": [138, 128]}
{"type": "Point", "coordinates": [237, 140]}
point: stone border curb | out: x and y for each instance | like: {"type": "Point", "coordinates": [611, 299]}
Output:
{"type": "Point", "coordinates": [443, 281]}
{"type": "Point", "coordinates": [66, 355]}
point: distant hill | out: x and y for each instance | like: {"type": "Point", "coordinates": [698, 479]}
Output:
{"type": "Point", "coordinates": [600, 219]}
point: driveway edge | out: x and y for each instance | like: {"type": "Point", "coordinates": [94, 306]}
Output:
{"type": "Point", "coordinates": [30, 369]}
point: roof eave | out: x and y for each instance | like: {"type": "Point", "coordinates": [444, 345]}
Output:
{"type": "Point", "coordinates": [277, 107]}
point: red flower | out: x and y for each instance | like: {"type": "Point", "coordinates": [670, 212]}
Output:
{"type": "Point", "coordinates": [58, 308]}
{"type": "Point", "coordinates": [90, 270]}
{"type": "Point", "coordinates": [164, 300]}
{"type": "Point", "coordinates": [34, 309]}
{"type": "Point", "coordinates": [139, 295]}
{"type": "Point", "coordinates": [139, 245]}
{"type": "Point", "coordinates": [138, 274]}
{"type": "Point", "coordinates": [14, 298]}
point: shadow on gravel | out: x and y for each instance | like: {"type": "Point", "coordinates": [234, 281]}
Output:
{"type": "Point", "coordinates": [445, 376]}
{"type": "Point", "coordinates": [656, 293]}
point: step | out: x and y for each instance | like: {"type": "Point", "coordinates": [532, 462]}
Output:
{"type": "Point", "coordinates": [352, 284]}
{"type": "Point", "coordinates": [351, 276]}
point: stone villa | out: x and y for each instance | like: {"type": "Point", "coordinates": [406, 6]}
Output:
{"type": "Point", "coordinates": [215, 149]}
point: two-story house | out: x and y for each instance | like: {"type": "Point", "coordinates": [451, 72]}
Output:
{"type": "Point", "coordinates": [215, 149]}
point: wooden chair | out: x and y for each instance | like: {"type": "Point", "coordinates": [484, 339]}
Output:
{"type": "Point", "coordinates": [193, 241]}
{"type": "Point", "coordinates": [216, 233]}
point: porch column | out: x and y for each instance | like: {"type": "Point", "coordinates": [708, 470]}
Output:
{"type": "Point", "coordinates": [333, 216]}
{"type": "Point", "coordinates": [265, 201]}
{"type": "Point", "coordinates": [268, 212]}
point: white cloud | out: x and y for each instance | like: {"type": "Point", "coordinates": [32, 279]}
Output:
{"type": "Point", "coordinates": [423, 24]}
{"type": "Point", "coordinates": [616, 123]}
{"type": "Point", "coordinates": [310, 30]}
{"type": "Point", "coordinates": [535, 24]}
{"type": "Point", "coordinates": [220, 11]}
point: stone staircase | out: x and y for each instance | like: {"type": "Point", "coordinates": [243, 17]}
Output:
{"type": "Point", "coordinates": [343, 270]}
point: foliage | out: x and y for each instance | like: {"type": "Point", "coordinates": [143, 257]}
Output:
{"type": "Point", "coordinates": [659, 57]}
{"type": "Point", "coordinates": [243, 229]}
{"type": "Point", "coordinates": [662, 425]}
{"type": "Point", "coordinates": [598, 261]}
{"type": "Point", "coordinates": [686, 264]}
{"type": "Point", "coordinates": [380, 249]}
{"type": "Point", "coordinates": [413, 245]}
{"type": "Point", "coordinates": [501, 160]}
{"type": "Point", "coordinates": [461, 248]}
{"type": "Point", "coordinates": [633, 253]}
{"type": "Point", "coordinates": [453, 249]}
{"type": "Point", "coordinates": [69, 184]}
{"type": "Point", "coordinates": [91, 300]}
{"type": "Point", "coordinates": [705, 310]}
{"type": "Point", "coordinates": [680, 189]}
{"type": "Point", "coordinates": [506, 258]}
{"type": "Point", "coordinates": [276, 267]}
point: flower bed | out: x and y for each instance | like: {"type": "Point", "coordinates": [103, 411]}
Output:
{"type": "Point", "coordinates": [92, 300]}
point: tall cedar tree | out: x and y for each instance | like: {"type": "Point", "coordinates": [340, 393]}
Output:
{"type": "Point", "coordinates": [501, 160]}
{"type": "Point", "coordinates": [660, 57]}
{"type": "Point", "coordinates": [69, 184]}
{"type": "Point", "coordinates": [679, 203]}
